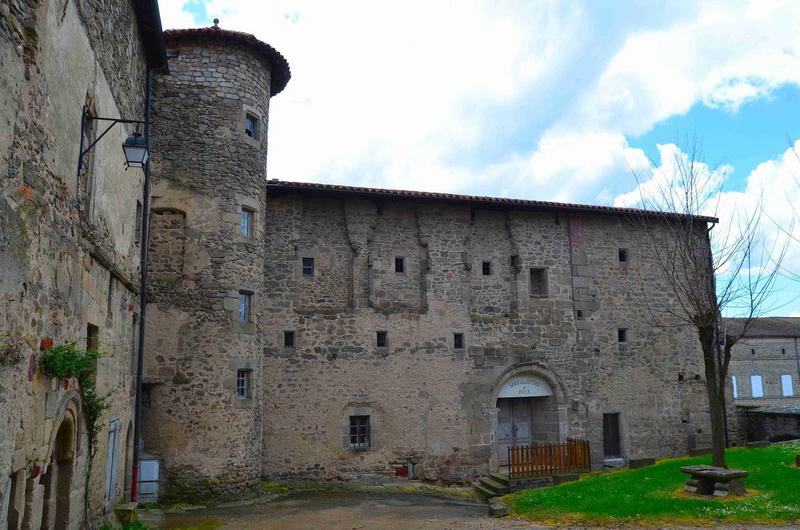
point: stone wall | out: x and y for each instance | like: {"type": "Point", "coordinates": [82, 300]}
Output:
{"type": "Point", "coordinates": [209, 439]}
{"type": "Point", "coordinates": [436, 405]}
{"type": "Point", "coordinates": [63, 270]}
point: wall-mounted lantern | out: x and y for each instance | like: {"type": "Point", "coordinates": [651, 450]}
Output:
{"type": "Point", "coordinates": [135, 148]}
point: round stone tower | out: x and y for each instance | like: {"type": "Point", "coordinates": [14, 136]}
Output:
{"type": "Point", "coordinates": [202, 406]}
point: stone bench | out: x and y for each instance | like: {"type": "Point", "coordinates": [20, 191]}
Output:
{"type": "Point", "coordinates": [717, 481]}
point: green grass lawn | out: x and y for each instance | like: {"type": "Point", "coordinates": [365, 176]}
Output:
{"type": "Point", "coordinates": [654, 495]}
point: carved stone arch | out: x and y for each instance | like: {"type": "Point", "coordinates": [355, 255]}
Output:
{"type": "Point", "coordinates": [69, 410]}
{"type": "Point", "coordinates": [534, 368]}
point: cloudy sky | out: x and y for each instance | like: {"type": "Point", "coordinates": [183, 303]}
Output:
{"type": "Point", "coordinates": [540, 100]}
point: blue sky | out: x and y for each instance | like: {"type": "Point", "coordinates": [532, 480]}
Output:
{"type": "Point", "coordinates": [543, 100]}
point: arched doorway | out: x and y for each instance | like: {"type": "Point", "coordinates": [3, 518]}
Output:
{"type": "Point", "coordinates": [57, 480]}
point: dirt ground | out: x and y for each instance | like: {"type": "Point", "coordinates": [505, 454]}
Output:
{"type": "Point", "coordinates": [345, 510]}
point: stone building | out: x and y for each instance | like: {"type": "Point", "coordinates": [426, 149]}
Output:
{"type": "Point", "coordinates": [765, 376]}
{"type": "Point", "coordinates": [69, 250]}
{"type": "Point", "coordinates": [327, 331]}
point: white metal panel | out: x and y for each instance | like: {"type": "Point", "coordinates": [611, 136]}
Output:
{"type": "Point", "coordinates": [756, 386]}
{"type": "Point", "coordinates": [786, 385]}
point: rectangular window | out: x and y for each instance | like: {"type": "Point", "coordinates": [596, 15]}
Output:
{"type": "Point", "coordinates": [381, 339]}
{"type": "Point", "coordinates": [399, 265]}
{"type": "Point", "coordinates": [246, 222]}
{"type": "Point", "coordinates": [92, 337]}
{"type": "Point", "coordinates": [458, 341]}
{"type": "Point", "coordinates": [137, 236]}
{"type": "Point", "coordinates": [539, 283]}
{"type": "Point", "coordinates": [308, 266]}
{"type": "Point", "coordinates": [756, 386]}
{"type": "Point", "coordinates": [243, 384]}
{"type": "Point", "coordinates": [359, 432]}
{"type": "Point", "coordinates": [622, 335]}
{"type": "Point", "coordinates": [786, 385]}
{"type": "Point", "coordinates": [245, 306]}
{"type": "Point", "coordinates": [486, 268]}
{"type": "Point", "coordinates": [623, 255]}
{"type": "Point", "coordinates": [611, 440]}
{"type": "Point", "coordinates": [251, 125]}
{"type": "Point", "coordinates": [752, 351]}
{"type": "Point", "coordinates": [735, 388]}
{"type": "Point", "coordinates": [288, 339]}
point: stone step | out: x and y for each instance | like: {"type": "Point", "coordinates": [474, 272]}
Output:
{"type": "Point", "coordinates": [493, 485]}
{"type": "Point", "coordinates": [484, 493]}
{"type": "Point", "coordinates": [501, 478]}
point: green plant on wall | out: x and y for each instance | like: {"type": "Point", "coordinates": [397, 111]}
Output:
{"type": "Point", "coordinates": [68, 360]}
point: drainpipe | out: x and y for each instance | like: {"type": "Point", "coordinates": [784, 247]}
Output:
{"type": "Point", "coordinates": [145, 243]}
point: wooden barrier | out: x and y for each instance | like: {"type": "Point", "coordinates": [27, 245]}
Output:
{"type": "Point", "coordinates": [548, 459]}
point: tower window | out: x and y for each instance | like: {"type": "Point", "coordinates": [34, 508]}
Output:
{"type": "Point", "coordinates": [458, 341]}
{"type": "Point", "coordinates": [244, 387]}
{"type": "Point", "coordinates": [486, 268]}
{"type": "Point", "coordinates": [623, 255]}
{"type": "Point", "coordinates": [360, 432]}
{"type": "Point", "coordinates": [251, 125]}
{"type": "Point", "coordinates": [245, 306]}
{"type": "Point", "coordinates": [308, 266]}
{"type": "Point", "coordinates": [399, 264]}
{"type": "Point", "coordinates": [381, 339]}
{"type": "Point", "coordinates": [288, 339]}
{"type": "Point", "coordinates": [246, 222]}
{"type": "Point", "coordinates": [622, 335]}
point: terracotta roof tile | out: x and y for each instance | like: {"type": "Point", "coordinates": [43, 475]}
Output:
{"type": "Point", "coordinates": [281, 185]}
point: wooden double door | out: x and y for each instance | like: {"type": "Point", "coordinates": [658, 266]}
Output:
{"type": "Point", "coordinates": [514, 425]}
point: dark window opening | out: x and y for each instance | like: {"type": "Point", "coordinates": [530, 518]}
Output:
{"type": "Point", "coordinates": [245, 306]}
{"type": "Point", "coordinates": [783, 351]}
{"type": "Point", "coordinates": [611, 441]}
{"type": "Point", "coordinates": [92, 337]}
{"type": "Point", "coordinates": [110, 300]}
{"type": "Point", "coordinates": [288, 339]}
{"type": "Point", "coordinates": [399, 265]}
{"type": "Point", "coordinates": [308, 266]}
{"type": "Point", "coordinates": [623, 255]}
{"type": "Point", "coordinates": [244, 384]}
{"type": "Point", "coordinates": [486, 267]}
{"type": "Point", "coordinates": [539, 282]}
{"type": "Point", "coordinates": [680, 377]}
{"type": "Point", "coordinates": [752, 351]}
{"type": "Point", "coordinates": [515, 261]}
{"type": "Point", "coordinates": [579, 314]}
{"type": "Point", "coordinates": [622, 335]}
{"type": "Point", "coordinates": [359, 432]}
{"type": "Point", "coordinates": [381, 339]}
{"type": "Point", "coordinates": [458, 341]}
{"type": "Point", "coordinates": [251, 125]}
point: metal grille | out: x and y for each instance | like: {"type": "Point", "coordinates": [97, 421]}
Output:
{"type": "Point", "coordinates": [243, 384]}
{"type": "Point", "coordinates": [359, 432]}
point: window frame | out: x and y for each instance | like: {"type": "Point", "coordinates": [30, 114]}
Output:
{"type": "Point", "coordinates": [382, 336]}
{"type": "Point", "coordinates": [247, 219]}
{"type": "Point", "coordinates": [359, 437]}
{"type": "Point", "coordinates": [458, 336]}
{"type": "Point", "coordinates": [760, 379]}
{"type": "Point", "coordinates": [251, 117]}
{"type": "Point", "coordinates": [244, 383]}
{"type": "Point", "coordinates": [304, 265]}
{"type": "Point", "coordinates": [623, 255]}
{"type": "Point", "coordinates": [622, 335]}
{"type": "Point", "coordinates": [399, 264]}
{"type": "Point", "coordinates": [245, 309]}
{"type": "Point", "coordinates": [486, 268]}
{"type": "Point", "coordinates": [289, 333]}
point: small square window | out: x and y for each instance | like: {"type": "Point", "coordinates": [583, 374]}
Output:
{"type": "Point", "coordinates": [288, 339]}
{"type": "Point", "coordinates": [244, 384]}
{"type": "Point", "coordinates": [579, 314]}
{"type": "Point", "coordinates": [458, 341]}
{"type": "Point", "coordinates": [381, 339]}
{"type": "Point", "coordinates": [623, 255]}
{"type": "Point", "coordinates": [251, 125]}
{"type": "Point", "coordinates": [539, 283]}
{"type": "Point", "coordinates": [486, 268]}
{"type": "Point", "coordinates": [399, 265]}
{"type": "Point", "coordinates": [308, 266]}
{"type": "Point", "coordinates": [622, 335]}
{"type": "Point", "coordinates": [360, 432]}
{"type": "Point", "coordinates": [245, 306]}
{"type": "Point", "coordinates": [246, 222]}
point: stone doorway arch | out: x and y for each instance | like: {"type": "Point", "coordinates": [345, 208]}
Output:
{"type": "Point", "coordinates": [528, 406]}
{"type": "Point", "coordinates": [57, 511]}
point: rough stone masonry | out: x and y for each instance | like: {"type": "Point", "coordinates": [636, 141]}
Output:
{"type": "Point", "coordinates": [327, 331]}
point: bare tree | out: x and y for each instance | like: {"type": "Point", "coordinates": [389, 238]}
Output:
{"type": "Point", "coordinates": [711, 268]}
